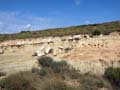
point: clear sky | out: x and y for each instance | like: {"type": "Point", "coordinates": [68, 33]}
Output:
{"type": "Point", "coordinates": [19, 15]}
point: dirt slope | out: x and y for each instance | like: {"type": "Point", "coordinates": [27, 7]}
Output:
{"type": "Point", "coordinates": [87, 55]}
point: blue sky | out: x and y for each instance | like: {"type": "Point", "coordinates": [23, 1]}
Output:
{"type": "Point", "coordinates": [19, 15]}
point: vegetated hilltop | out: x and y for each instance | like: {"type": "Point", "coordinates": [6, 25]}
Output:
{"type": "Point", "coordinates": [104, 28]}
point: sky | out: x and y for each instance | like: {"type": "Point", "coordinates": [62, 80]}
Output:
{"type": "Point", "coordinates": [21, 15]}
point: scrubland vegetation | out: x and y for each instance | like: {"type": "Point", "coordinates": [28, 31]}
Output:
{"type": "Point", "coordinates": [113, 75]}
{"type": "Point", "coordinates": [95, 29]}
{"type": "Point", "coordinates": [60, 76]}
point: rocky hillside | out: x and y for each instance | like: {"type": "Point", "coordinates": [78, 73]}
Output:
{"type": "Point", "coordinates": [87, 54]}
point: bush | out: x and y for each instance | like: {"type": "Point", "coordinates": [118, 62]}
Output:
{"type": "Point", "coordinates": [2, 74]}
{"type": "Point", "coordinates": [53, 76]}
{"type": "Point", "coordinates": [43, 72]}
{"type": "Point", "coordinates": [59, 67]}
{"type": "Point", "coordinates": [96, 32]}
{"type": "Point", "coordinates": [51, 68]}
{"type": "Point", "coordinates": [30, 81]}
{"type": "Point", "coordinates": [113, 74]}
{"type": "Point", "coordinates": [20, 81]}
{"type": "Point", "coordinates": [55, 84]}
{"type": "Point", "coordinates": [92, 82]}
{"type": "Point", "coordinates": [45, 61]}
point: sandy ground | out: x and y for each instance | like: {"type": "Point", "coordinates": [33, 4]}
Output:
{"type": "Point", "coordinates": [109, 53]}
{"type": "Point", "coordinates": [17, 60]}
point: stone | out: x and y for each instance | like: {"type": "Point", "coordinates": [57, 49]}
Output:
{"type": "Point", "coordinates": [48, 50]}
{"type": "Point", "coordinates": [1, 51]}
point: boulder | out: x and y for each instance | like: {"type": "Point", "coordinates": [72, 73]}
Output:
{"type": "Point", "coordinates": [70, 38]}
{"type": "Point", "coordinates": [48, 50]}
{"type": "Point", "coordinates": [18, 44]}
{"type": "Point", "coordinates": [61, 47]}
{"type": "Point", "coordinates": [1, 51]}
{"type": "Point", "coordinates": [54, 53]}
{"type": "Point", "coordinates": [77, 37]}
{"type": "Point", "coordinates": [40, 53]}
{"type": "Point", "coordinates": [50, 40]}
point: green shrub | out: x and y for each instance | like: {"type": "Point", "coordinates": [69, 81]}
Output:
{"type": "Point", "coordinates": [30, 81]}
{"type": "Point", "coordinates": [50, 67]}
{"type": "Point", "coordinates": [43, 72]}
{"type": "Point", "coordinates": [54, 76]}
{"type": "Point", "coordinates": [113, 74]}
{"type": "Point", "coordinates": [55, 84]}
{"type": "Point", "coordinates": [45, 61]}
{"type": "Point", "coordinates": [96, 32]}
{"type": "Point", "coordinates": [20, 81]}
{"type": "Point", "coordinates": [92, 82]}
{"type": "Point", "coordinates": [34, 70]}
{"type": "Point", "coordinates": [59, 67]}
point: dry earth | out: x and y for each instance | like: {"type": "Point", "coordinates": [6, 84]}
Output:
{"type": "Point", "coordinates": [87, 55]}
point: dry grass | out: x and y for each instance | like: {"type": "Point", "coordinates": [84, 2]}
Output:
{"type": "Point", "coordinates": [67, 79]}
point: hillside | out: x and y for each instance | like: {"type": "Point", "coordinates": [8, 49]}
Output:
{"type": "Point", "coordinates": [89, 59]}
{"type": "Point", "coordinates": [104, 28]}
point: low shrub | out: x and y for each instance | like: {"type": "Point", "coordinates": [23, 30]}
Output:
{"type": "Point", "coordinates": [54, 67]}
{"type": "Point", "coordinates": [113, 74]}
{"type": "Point", "coordinates": [92, 82]}
{"type": "Point", "coordinates": [59, 67]}
{"type": "Point", "coordinates": [96, 32]}
{"type": "Point", "coordinates": [42, 72]}
{"type": "Point", "coordinates": [45, 61]}
{"type": "Point", "coordinates": [30, 81]}
{"type": "Point", "coordinates": [55, 84]}
{"type": "Point", "coordinates": [20, 81]}
{"type": "Point", "coordinates": [54, 76]}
